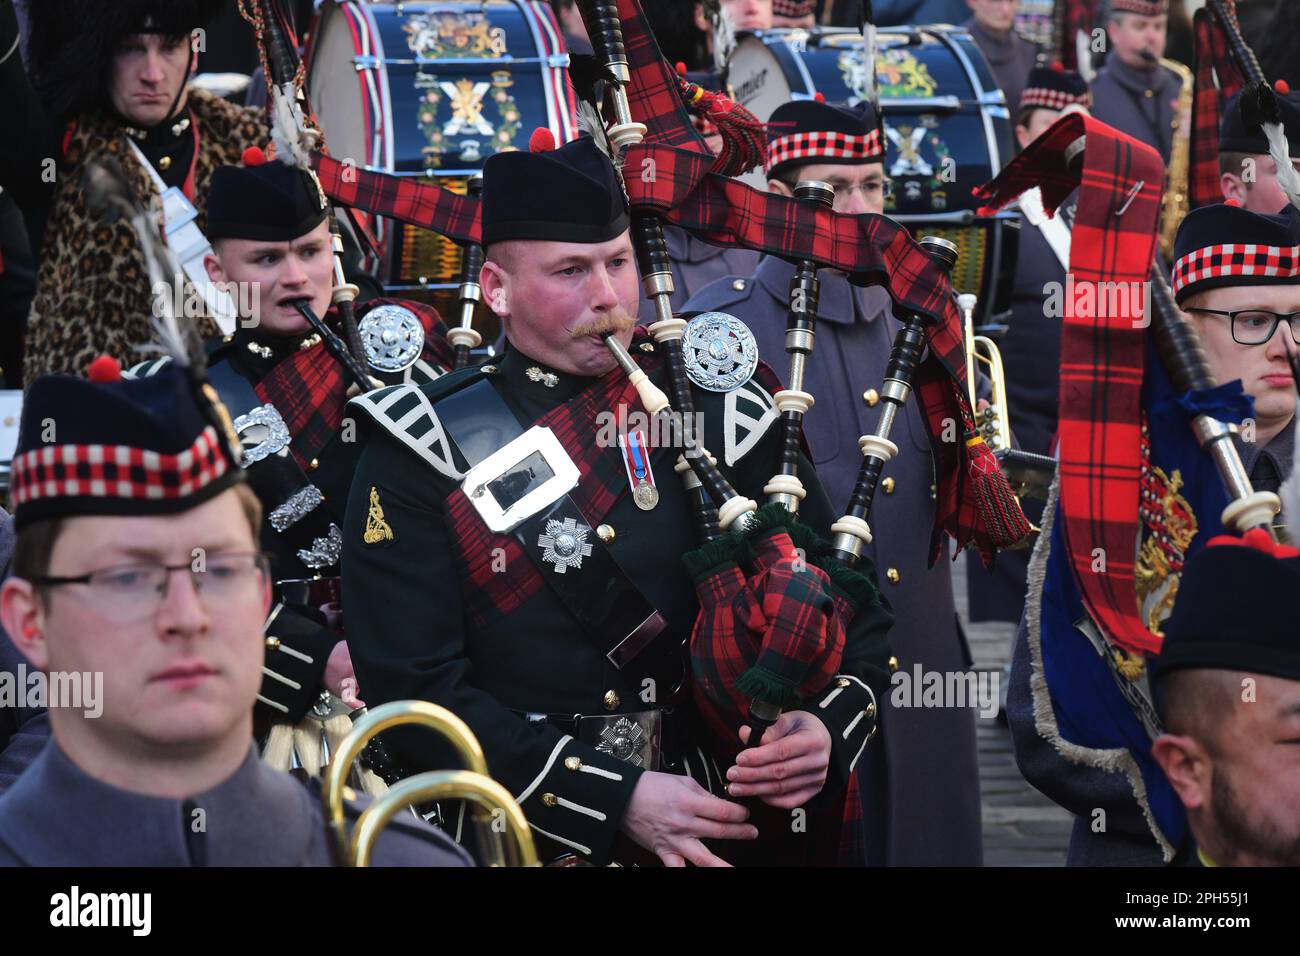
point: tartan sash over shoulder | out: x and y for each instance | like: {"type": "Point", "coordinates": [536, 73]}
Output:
{"type": "Point", "coordinates": [1102, 353]}
{"type": "Point", "coordinates": [669, 175]}
{"type": "Point", "coordinates": [309, 389]}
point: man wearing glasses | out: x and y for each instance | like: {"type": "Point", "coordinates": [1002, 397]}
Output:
{"type": "Point", "coordinates": [138, 597]}
{"type": "Point", "coordinates": [1237, 274]}
{"type": "Point", "coordinates": [920, 791]}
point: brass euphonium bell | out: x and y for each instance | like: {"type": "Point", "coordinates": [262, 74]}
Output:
{"type": "Point", "coordinates": [492, 801]}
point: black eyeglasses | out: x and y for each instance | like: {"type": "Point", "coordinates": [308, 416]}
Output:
{"type": "Point", "coordinates": [130, 592]}
{"type": "Point", "coordinates": [1256, 326]}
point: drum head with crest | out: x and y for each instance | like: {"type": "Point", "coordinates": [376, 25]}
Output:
{"type": "Point", "coordinates": [433, 90]}
{"type": "Point", "coordinates": [946, 124]}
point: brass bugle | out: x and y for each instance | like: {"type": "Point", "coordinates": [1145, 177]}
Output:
{"type": "Point", "coordinates": [477, 788]}
{"type": "Point", "coordinates": [385, 717]}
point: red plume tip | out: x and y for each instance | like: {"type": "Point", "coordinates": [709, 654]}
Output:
{"type": "Point", "coordinates": [680, 68]}
{"type": "Point", "coordinates": [542, 140]}
{"type": "Point", "coordinates": [254, 156]}
{"type": "Point", "coordinates": [819, 97]}
{"type": "Point", "coordinates": [1282, 88]}
{"type": "Point", "coordinates": [105, 369]}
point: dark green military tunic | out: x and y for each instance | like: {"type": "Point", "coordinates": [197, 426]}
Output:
{"type": "Point", "coordinates": [416, 630]}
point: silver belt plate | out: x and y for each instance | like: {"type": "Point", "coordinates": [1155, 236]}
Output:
{"type": "Point", "coordinates": [520, 479]}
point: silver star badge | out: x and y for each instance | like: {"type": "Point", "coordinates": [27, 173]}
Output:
{"type": "Point", "coordinates": [564, 544]}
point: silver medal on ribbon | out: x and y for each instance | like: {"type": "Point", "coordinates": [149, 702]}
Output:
{"type": "Point", "coordinates": [720, 351]}
{"type": "Point", "coordinates": [392, 337]}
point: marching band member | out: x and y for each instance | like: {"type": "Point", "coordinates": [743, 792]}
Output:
{"type": "Point", "coordinates": [1133, 92]}
{"type": "Point", "coordinates": [1033, 382]}
{"type": "Point", "coordinates": [917, 812]}
{"type": "Point", "coordinates": [1247, 173]}
{"type": "Point", "coordinates": [111, 79]}
{"type": "Point", "coordinates": [1237, 303]}
{"type": "Point", "coordinates": [558, 640]}
{"type": "Point", "coordinates": [993, 28]}
{"type": "Point", "coordinates": [112, 513]}
{"type": "Point", "coordinates": [287, 393]}
{"type": "Point", "coordinates": [1227, 683]}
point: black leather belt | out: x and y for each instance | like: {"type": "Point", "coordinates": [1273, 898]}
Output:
{"type": "Point", "coordinates": [651, 739]}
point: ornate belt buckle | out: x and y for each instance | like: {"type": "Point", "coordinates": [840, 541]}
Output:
{"type": "Point", "coordinates": [632, 738]}
{"type": "Point", "coordinates": [520, 479]}
{"type": "Point", "coordinates": [262, 433]}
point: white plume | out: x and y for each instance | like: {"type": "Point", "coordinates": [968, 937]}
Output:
{"type": "Point", "coordinates": [724, 40]}
{"type": "Point", "coordinates": [289, 133]}
{"type": "Point", "coordinates": [1280, 151]}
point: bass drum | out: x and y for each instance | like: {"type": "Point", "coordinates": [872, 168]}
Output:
{"type": "Point", "coordinates": [432, 90]}
{"type": "Point", "coordinates": [946, 125]}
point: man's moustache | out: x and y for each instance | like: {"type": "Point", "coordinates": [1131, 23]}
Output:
{"type": "Point", "coordinates": [615, 322]}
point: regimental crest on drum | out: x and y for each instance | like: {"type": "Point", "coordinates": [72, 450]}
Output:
{"type": "Point", "coordinates": [446, 36]}
{"type": "Point", "coordinates": [900, 74]}
{"type": "Point", "coordinates": [922, 165]}
{"type": "Point", "coordinates": [467, 136]}
{"type": "Point", "coordinates": [720, 351]}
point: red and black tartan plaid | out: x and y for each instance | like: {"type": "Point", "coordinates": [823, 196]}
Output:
{"type": "Point", "coordinates": [777, 617]}
{"type": "Point", "coordinates": [1102, 356]}
{"type": "Point", "coordinates": [1212, 60]}
{"type": "Point", "coordinates": [1075, 17]}
{"type": "Point", "coordinates": [116, 471]}
{"type": "Point", "coordinates": [309, 389]}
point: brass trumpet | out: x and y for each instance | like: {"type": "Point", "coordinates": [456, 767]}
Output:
{"type": "Point", "coordinates": [473, 785]}
{"type": "Point", "coordinates": [991, 423]}
{"type": "Point", "coordinates": [1030, 474]}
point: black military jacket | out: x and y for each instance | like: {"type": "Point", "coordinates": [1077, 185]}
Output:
{"type": "Point", "coordinates": [412, 635]}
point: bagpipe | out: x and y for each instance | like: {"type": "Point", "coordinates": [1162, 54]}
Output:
{"type": "Point", "coordinates": [776, 601]}
{"type": "Point", "coordinates": [680, 181]}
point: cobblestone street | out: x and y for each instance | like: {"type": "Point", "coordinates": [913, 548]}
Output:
{"type": "Point", "coordinates": [1021, 826]}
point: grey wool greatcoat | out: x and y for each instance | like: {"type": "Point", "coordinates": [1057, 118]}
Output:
{"type": "Point", "coordinates": [920, 782]}
{"type": "Point", "coordinates": [697, 263]}
{"type": "Point", "coordinates": [1141, 103]}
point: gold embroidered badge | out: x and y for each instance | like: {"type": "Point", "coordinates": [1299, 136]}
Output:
{"type": "Point", "coordinates": [377, 529]}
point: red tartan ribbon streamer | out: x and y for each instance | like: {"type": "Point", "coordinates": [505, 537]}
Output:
{"type": "Point", "coordinates": [1102, 355]}
{"type": "Point", "coordinates": [1212, 60]}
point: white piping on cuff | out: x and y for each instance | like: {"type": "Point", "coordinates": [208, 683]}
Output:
{"type": "Point", "coordinates": [281, 678]}
{"type": "Point", "coordinates": [273, 703]}
{"type": "Point", "coordinates": [579, 808]}
{"type": "Point", "coordinates": [546, 768]}
{"type": "Point", "coordinates": [600, 772]}
{"type": "Point", "coordinates": [585, 850]}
